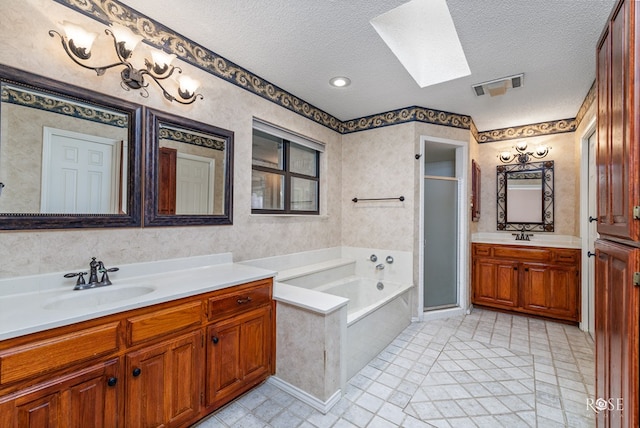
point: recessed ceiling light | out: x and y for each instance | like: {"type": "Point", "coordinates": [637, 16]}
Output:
{"type": "Point", "coordinates": [340, 82]}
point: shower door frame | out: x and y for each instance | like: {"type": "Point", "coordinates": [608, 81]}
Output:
{"type": "Point", "coordinates": [462, 174]}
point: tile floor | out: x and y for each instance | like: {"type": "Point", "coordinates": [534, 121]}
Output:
{"type": "Point", "coordinates": [486, 369]}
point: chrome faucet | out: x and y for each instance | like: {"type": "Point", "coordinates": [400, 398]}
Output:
{"type": "Point", "coordinates": [95, 267]}
{"type": "Point", "coordinates": [379, 266]}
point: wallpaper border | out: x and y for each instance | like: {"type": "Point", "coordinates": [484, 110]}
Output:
{"type": "Point", "coordinates": [187, 137]}
{"type": "Point", "coordinates": [25, 98]}
{"type": "Point", "coordinates": [532, 130]}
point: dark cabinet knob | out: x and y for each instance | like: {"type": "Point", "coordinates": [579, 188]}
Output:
{"type": "Point", "coordinates": [112, 381]}
{"type": "Point", "coordinates": [590, 254]}
{"type": "Point", "coordinates": [215, 339]}
{"type": "Point", "coordinates": [592, 219]}
{"type": "Point", "coordinates": [136, 372]}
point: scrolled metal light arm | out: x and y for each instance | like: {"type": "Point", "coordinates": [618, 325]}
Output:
{"type": "Point", "coordinates": [132, 78]}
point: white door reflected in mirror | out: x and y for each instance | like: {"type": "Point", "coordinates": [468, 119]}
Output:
{"type": "Point", "coordinates": [81, 173]}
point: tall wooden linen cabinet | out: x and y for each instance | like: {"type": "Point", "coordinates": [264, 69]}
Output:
{"type": "Point", "coordinates": [617, 294]}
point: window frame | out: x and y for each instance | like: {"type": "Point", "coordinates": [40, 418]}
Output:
{"type": "Point", "coordinates": [288, 175]}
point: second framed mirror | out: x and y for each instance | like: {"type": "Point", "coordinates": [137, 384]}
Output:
{"type": "Point", "coordinates": [189, 172]}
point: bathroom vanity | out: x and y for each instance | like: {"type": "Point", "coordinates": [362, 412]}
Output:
{"type": "Point", "coordinates": [536, 280]}
{"type": "Point", "coordinates": [163, 364]}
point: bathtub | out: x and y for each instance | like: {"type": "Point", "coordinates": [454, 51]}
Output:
{"type": "Point", "coordinates": [377, 312]}
{"type": "Point", "coordinates": [332, 318]}
{"type": "Point", "coordinates": [365, 295]}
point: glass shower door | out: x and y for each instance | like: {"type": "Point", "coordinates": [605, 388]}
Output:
{"type": "Point", "coordinates": [440, 243]}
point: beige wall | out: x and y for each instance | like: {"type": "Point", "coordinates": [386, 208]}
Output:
{"type": "Point", "coordinates": [26, 45]}
{"type": "Point", "coordinates": [379, 163]}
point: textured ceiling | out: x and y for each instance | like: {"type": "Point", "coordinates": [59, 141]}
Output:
{"type": "Point", "coordinates": [299, 45]}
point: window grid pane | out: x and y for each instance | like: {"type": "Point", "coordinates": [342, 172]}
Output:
{"type": "Point", "coordinates": [304, 194]}
{"type": "Point", "coordinates": [268, 151]}
{"type": "Point", "coordinates": [303, 160]}
{"type": "Point", "coordinates": [267, 191]}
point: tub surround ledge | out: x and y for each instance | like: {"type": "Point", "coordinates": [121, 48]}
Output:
{"type": "Point", "coordinates": [314, 301]}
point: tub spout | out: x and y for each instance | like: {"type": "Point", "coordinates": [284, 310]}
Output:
{"type": "Point", "coordinates": [379, 266]}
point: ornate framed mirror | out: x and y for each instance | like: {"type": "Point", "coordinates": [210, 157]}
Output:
{"type": "Point", "coordinates": [525, 197]}
{"type": "Point", "coordinates": [189, 172]}
{"type": "Point", "coordinates": [69, 157]}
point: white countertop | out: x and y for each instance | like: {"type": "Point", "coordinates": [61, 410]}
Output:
{"type": "Point", "coordinates": [538, 239]}
{"type": "Point", "coordinates": [23, 299]}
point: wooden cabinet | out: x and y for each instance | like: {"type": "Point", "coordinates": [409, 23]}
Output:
{"type": "Point", "coordinates": [495, 282]}
{"type": "Point", "coordinates": [618, 154]}
{"type": "Point", "coordinates": [237, 354]}
{"type": "Point", "coordinates": [617, 326]}
{"type": "Point", "coordinates": [240, 346]}
{"type": "Point", "coordinates": [149, 367]}
{"type": "Point", "coordinates": [534, 280]}
{"type": "Point", "coordinates": [163, 383]}
{"type": "Point", "coordinates": [551, 290]}
{"type": "Point", "coordinates": [618, 124]}
{"type": "Point", "coordinates": [88, 397]}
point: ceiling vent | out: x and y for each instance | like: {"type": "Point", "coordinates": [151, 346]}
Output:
{"type": "Point", "coordinates": [498, 86]}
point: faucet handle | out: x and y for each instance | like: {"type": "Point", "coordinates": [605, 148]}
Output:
{"type": "Point", "coordinates": [80, 276]}
{"type": "Point", "coordinates": [105, 277]}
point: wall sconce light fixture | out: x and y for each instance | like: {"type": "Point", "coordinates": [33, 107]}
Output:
{"type": "Point", "coordinates": [77, 44]}
{"type": "Point", "coordinates": [522, 155]}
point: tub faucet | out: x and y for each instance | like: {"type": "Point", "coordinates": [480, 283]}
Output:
{"type": "Point", "coordinates": [379, 266]}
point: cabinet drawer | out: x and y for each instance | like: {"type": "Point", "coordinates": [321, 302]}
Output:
{"type": "Point", "coordinates": [566, 256]}
{"type": "Point", "coordinates": [481, 250]}
{"type": "Point", "coordinates": [239, 300]}
{"type": "Point", "coordinates": [159, 323]}
{"type": "Point", "coordinates": [522, 254]}
{"type": "Point", "coordinates": [42, 356]}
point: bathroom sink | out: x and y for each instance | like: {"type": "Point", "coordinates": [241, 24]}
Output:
{"type": "Point", "coordinates": [96, 297]}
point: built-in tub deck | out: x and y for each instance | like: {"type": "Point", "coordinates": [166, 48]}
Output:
{"type": "Point", "coordinates": [357, 319]}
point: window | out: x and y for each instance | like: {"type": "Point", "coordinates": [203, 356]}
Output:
{"type": "Point", "coordinates": [285, 176]}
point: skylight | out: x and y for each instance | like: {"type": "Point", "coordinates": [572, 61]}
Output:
{"type": "Point", "coordinates": [422, 36]}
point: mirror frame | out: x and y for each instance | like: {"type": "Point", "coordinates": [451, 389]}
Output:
{"type": "Point", "coordinates": [546, 203]}
{"type": "Point", "coordinates": [153, 119]}
{"type": "Point", "coordinates": [27, 221]}
{"type": "Point", "coordinates": [475, 190]}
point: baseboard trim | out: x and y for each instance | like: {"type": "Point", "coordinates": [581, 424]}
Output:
{"type": "Point", "coordinates": [305, 397]}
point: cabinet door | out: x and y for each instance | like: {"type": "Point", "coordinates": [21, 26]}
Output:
{"type": "Point", "coordinates": [495, 283]}
{"type": "Point", "coordinates": [163, 382]}
{"type": "Point", "coordinates": [551, 290]}
{"type": "Point", "coordinates": [617, 329]}
{"type": "Point", "coordinates": [239, 351]}
{"type": "Point", "coordinates": [618, 148]}
{"type": "Point", "coordinates": [256, 346]}
{"type": "Point", "coordinates": [86, 398]}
